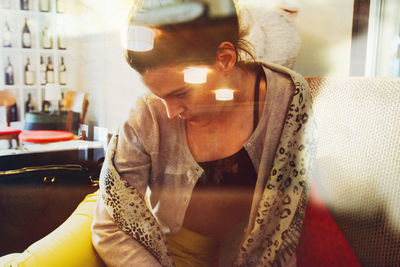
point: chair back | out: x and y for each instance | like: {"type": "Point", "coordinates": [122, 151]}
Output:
{"type": "Point", "coordinates": [358, 161]}
{"type": "Point", "coordinates": [7, 99]}
{"type": "Point", "coordinates": [77, 102]}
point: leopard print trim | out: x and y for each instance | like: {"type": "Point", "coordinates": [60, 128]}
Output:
{"type": "Point", "coordinates": [129, 210]}
{"type": "Point", "coordinates": [279, 218]}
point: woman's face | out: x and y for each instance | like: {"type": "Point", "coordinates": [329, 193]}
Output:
{"type": "Point", "coordinates": [194, 103]}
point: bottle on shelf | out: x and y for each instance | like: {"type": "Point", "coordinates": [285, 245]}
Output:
{"type": "Point", "coordinates": [62, 43]}
{"type": "Point", "coordinates": [47, 40]}
{"type": "Point", "coordinates": [9, 73]}
{"type": "Point", "coordinates": [29, 105]}
{"type": "Point", "coordinates": [62, 73]}
{"type": "Point", "coordinates": [49, 71]}
{"type": "Point", "coordinates": [14, 112]}
{"type": "Point", "coordinates": [45, 105]}
{"type": "Point", "coordinates": [29, 73]}
{"type": "Point", "coordinates": [7, 4]}
{"type": "Point", "coordinates": [24, 4]}
{"type": "Point", "coordinates": [62, 104]}
{"type": "Point", "coordinates": [44, 5]}
{"type": "Point", "coordinates": [26, 36]}
{"type": "Point", "coordinates": [7, 35]}
{"type": "Point", "coordinates": [43, 68]}
{"type": "Point", "coordinates": [60, 6]}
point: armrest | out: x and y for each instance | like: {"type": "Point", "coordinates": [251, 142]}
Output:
{"type": "Point", "coordinates": [69, 245]}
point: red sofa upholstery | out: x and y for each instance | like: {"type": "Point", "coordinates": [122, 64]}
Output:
{"type": "Point", "coordinates": [322, 242]}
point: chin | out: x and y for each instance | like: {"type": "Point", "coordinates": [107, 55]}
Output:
{"type": "Point", "coordinates": [197, 121]}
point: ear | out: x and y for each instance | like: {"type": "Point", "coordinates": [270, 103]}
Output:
{"type": "Point", "coordinates": [226, 57]}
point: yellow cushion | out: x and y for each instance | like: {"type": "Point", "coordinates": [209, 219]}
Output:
{"type": "Point", "coordinates": [8, 259]}
{"type": "Point", "coordinates": [69, 245]}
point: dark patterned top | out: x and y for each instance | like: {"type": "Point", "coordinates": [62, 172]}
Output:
{"type": "Point", "coordinates": [236, 170]}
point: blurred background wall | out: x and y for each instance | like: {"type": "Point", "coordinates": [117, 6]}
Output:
{"type": "Point", "coordinates": [113, 86]}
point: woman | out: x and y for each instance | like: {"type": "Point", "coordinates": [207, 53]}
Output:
{"type": "Point", "coordinates": [193, 179]}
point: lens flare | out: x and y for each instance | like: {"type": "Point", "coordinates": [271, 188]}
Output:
{"type": "Point", "coordinates": [139, 38]}
{"type": "Point", "coordinates": [224, 94]}
{"type": "Point", "coordinates": [196, 75]}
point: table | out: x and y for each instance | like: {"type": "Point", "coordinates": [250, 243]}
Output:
{"type": "Point", "coordinates": [45, 136]}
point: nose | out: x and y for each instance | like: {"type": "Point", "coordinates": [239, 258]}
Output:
{"type": "Point", "coordinates": [174, 108]}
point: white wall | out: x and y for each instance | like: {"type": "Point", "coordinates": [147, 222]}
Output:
{"type": "Point", "coordinates": [325, 28]}
{"type": "Point", "coordinates": [112, 85]}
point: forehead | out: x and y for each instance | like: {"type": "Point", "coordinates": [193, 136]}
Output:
{"type": "Point", "coordinates": [163, 80]}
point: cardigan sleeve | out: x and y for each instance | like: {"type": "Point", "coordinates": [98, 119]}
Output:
{"type": "Point", "coordinates": [131, 160]}
{"type": "Point", "coordinates": [114, 246]}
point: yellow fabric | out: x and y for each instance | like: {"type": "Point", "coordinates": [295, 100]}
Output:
{"type": "Point", "coordinates": [69, 245]}
{"type": "Point", "coordinates": [190, 249]}
{"type": "Point", "coordinates": [6, 260]}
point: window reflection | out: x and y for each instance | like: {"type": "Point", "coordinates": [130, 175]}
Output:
{"type": "Point", "coordinates": [344, 63]}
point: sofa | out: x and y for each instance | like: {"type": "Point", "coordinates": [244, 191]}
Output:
{"type": "Point", "coordinates": [353, 213]}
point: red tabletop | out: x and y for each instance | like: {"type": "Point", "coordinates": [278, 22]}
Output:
{"type": "Point", "coordinates": [9, 130]}
{"type": "Point", "coordinates": [44, 136]}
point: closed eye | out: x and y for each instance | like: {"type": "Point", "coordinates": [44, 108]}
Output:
{"type": "Point", "coordinates": [180, 95]}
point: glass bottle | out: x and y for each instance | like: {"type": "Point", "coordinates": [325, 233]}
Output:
{"type": "Point", "coordinates": [28, 103]}
{"type": "Point", "coordinates": [61, 103]}
{"type": "Point", "coordinates": [24, 4]}
{"type": "Point", "coordinates": [7, 4]}
{"type": "Point", "coordinates": [45, 105]}
{"type": "Point", "coordinates": [9, 73]}
{"type": "Point", "coordinates": [26, 36]}
{"type": "Point", "coordinates": [43, 68]}
{"type": "Point", "coordinates": [62, 73]}
{"type": "Point", "coordinates": [44, 5]}
{"type": "Point", "coordinates": [62, 45]}
{"type": "Point", "coordinates": [49, 71]}
{"type": "Point", "coordinates": [47, 40]}
{"type": "Point", "coordinates": [14, 112]}
{"type": "Point", "coordinates": [29, 73]}
{"type": "Point", "coordinates": [7, 35]}
{"type": "Point", "coordinates": [60, 6]}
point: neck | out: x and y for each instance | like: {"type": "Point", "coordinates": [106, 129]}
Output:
{"type": "Point", "coordinates": [242, 81]}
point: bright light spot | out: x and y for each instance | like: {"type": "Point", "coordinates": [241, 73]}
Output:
{"type": "Point", "coordinates": [224, 94]}
{"type": "Point", "coordinates": [196, 75]}
{"type": "Point", "coordinates": [139, 38]}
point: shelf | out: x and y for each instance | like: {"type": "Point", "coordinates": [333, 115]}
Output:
{"type": "Point", "coordinates": [12, 87]}
{"type": "Point", "coordinates": [34, 11]}
{"type": "Point", "coordinates": [30, 87]}
{"type": "Point", "coordinates": [18, 49]}
{"type": "Point", "coordinates": [37, 21]}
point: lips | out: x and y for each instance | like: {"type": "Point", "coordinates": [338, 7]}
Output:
{"type": "Point", "coordinates": [187, 118]}
{"type": "Point", "coordinates": [192, 119]}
